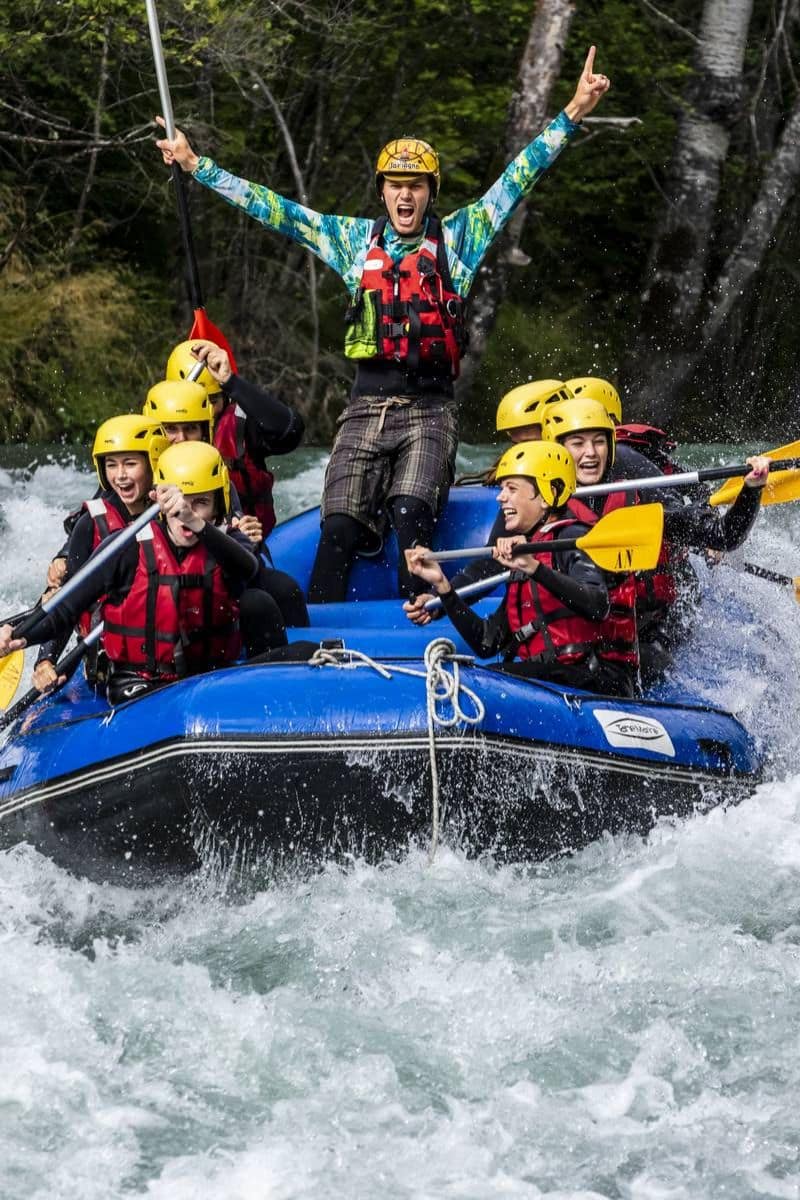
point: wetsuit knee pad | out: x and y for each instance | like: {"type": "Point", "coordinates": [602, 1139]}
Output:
{"type": "Point", "coordinates": [414, 522]}
{"type": "Point", "coordinates": [338, 542]}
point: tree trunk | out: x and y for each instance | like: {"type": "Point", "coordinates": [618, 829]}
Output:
{"type": "Point", "coordinates": [538, 71]}
{"type": "Point", "coordinates": [670, 329]}
{"type": "Point", "coordinates": [777, 187]}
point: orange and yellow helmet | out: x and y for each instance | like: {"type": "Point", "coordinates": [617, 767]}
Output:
{"type": "Point", "coordinates": [406, 156]}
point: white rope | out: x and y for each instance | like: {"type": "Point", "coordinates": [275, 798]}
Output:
{"type": "Point", "coordinates": [441, 688]}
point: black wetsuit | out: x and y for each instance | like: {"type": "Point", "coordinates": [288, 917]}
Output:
{"type": "Point", "coordinates": [272, 427]}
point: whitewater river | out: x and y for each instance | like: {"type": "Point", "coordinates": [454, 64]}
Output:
{"type": "Point", "coordinates": [622, 1023]}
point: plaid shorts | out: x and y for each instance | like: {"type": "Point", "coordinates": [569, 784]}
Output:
{"type": "Point", "coordinates": [386, 448]}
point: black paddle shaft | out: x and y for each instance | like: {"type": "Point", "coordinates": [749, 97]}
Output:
{"type": "Point", "coordinates": [765, 573]}
{"type": "Point", "coordinates": [192, 273]}
{"type": "Point", "coordinates": [709, 473]}
{"type": "Point", "coordinates": [556, 544]}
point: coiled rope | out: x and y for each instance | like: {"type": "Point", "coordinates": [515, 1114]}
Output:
{"type": "Point", "coordinates": [441, 688]}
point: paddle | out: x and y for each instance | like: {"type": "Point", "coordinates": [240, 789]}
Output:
{"type": "Point", "coordinates": [779, 487]}
{"type": "Point", "coordinates": [203, 327]}
{"type": "Point", "coordinates": [102, 554]}
{"type": "Point", "coordinates": [10, 674]}
{"type": "Point", "coordinates": [65, 666]}
{"type": "Point", "coordinates": [627, 539]}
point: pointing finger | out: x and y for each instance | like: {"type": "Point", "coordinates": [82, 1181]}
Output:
{"type": "Point", "coordinates": [588, 66]}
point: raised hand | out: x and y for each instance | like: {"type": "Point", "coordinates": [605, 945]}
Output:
{"type": "Point", "coordinates": [590, 90]}
{"type": "Point", "coordinates": [214, 357]}
{"type": "Point", "coordinates": [177, 149]}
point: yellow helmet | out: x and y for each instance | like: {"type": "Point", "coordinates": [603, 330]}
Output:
{"type": "Point", "coordinates": [588, 387]}
{"type": "Point", "coordinates": [549, 465]}
{"type": "Point", "coordinates": [181, 362]}
{"type": "Point", "coordinates": [405, 156]}
{"type": "Point", "coordinates": [195, 467]}
{"type": "Point", "coordinates": [524, 405]}
{"type": "Point", "coordinates": [130, 434]}
{"type": "Point", "coordinates": [580, 416]}
{"type": "Point", "coordinates": [174, 401]}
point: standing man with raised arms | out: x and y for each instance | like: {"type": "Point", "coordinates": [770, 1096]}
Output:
{"type": "Point", "coordinates": [408, 275]}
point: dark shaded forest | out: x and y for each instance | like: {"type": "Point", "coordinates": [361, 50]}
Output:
{"type": "Point", "coordinates": [661, 250]}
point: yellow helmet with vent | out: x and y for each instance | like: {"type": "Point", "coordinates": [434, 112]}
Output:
{"type": "Point", "coordinates": [195, 467]}
{"type": "Point", "coordinates": [580, 416]}
{"type": "Point", "coordinates": [524, 405]}
{"type": "Point", "coordinates": [407, 156]}
{"type": "Point", "coordinates": [589, 387]}
{"type": "Point", "coordinates": [177, 401]}
{"type": "Point", "coordinates": [182, 362]}
{"type": "Point", "coordinates": [549, 465]}
{"type": "Point", "coordinates": [129, 434]}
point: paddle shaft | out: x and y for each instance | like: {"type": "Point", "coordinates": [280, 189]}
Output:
{"type": "Point", "coordinates": [706, 475]}
{"type": "Point", "coordinates": [66, 666]}
{"type": "Point", "coordinates": [20, 616]}
{"type": "Point", "coordinates": [765, 573]}
{"type": "Point", "coordinates": [482, 585]}
{"type": "Point", "coordinates": [193, 275]}
{"type": "Point", "coordinates": [522, 548]}
{"type": "Point", "coordinates": [470, 589]}
{"type": "Point", "coordinates": [104, 552]}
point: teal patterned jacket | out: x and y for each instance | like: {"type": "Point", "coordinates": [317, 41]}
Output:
{"type": "Point", "coordinates": [342, 242]}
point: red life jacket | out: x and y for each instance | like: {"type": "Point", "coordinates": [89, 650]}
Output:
{"type": "Point", "coordinates": [106, 519]}
{"type": "Point", "coordinates": [541, 626]}
{"type": "Point", "coordinates": [252, 482]}
{"type": "Point", "coordinates": [652, 442]}
{"type": "Point", "coordinates": [619, 640]}
{"type": "Point", "coordinates": [420, 316]}
{"type": "Point", "coordinates": [656, 590]}
{"type": "Point", "coordinates": [178, 617]}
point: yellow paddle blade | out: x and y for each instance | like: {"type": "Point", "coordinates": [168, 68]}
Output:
{"type": "Point", "coordinates": [781, 486]}
{"type": "Point", "coordinates": [10, 674]}
{"type": "Point", "coordinates": [628, 539]}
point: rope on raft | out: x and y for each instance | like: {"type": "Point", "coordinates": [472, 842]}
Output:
{"type": "Point", "coordinates": [442, 687]}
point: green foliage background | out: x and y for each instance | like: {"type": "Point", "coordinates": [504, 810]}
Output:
{"type": "Point", "coordinates": [88, 320]}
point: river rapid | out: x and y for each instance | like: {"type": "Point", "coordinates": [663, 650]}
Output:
{"type": "Point", "coordinates": [622, 1023]}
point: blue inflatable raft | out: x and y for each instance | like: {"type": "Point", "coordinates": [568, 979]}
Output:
{"type": "Point", "coordinates": [349, 755]}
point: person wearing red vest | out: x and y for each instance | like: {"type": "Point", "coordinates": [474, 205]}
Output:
{"type": "Point", "coordinates": [665, 597]}
{"type": "Point", "coordinates": [408, 275]}
{"type": "Point", "coordinates": [125, 452]}
{"type": "Point", "coordinates": [186, 411]}
{"type": "Point", "coordinates": [250, 426]}
{"type": "Point", "coordinates": [554, 621]}
{"type": "Point", "coordinates": [175, 601]}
